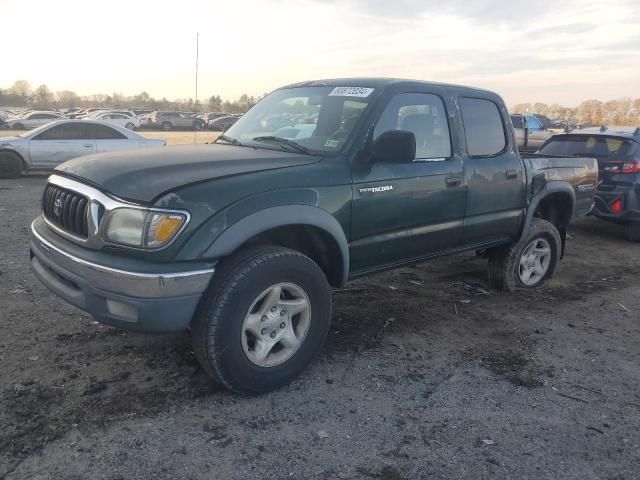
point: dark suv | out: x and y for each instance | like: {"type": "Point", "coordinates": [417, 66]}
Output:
{"type": "Point", "coordinates": [618, 152]}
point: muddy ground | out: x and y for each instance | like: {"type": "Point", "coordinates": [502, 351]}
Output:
{"type": "Point", "coordinates": [426, 374]}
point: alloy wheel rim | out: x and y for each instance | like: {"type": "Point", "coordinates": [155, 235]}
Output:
{"type": "Point", "coordinates": [534, 261]}
{"type": "Point", "coordinates": [276, 324]}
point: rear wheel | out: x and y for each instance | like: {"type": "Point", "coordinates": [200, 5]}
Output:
{"type": "Point", "coordinates": [263, 319]}
{"type": "Point", "coordinates": [18, 126]}
{"type": "Point", "coordinates": [633, 231]}
{"type": "Point", "coordinates": [527, 263]}
{"type": "Point", "coordinates": [130, 126]}
{"type": "Point", "coordinates": [166, 126]}
{"type": "Point", "coordinates": [10, 165]}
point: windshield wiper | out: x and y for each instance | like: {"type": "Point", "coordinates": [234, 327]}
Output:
{"type": "Point", "coordinates": [229, 140]}
{"type": "Point", "coordinates": [283, 141]}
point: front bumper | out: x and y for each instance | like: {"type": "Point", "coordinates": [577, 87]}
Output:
{"type": "Point", "coordinates": [130, 294]}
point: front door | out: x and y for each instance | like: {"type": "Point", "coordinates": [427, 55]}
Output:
{"type": "Point", "coordinates": [405, 211]}
{"type": "Point", "coordinates": [59, 144]}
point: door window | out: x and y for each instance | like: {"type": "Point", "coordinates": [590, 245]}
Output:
{"type": "Point", "coordinates": [424, 115]}
{"type": "Point", "coordinates": [483, 127]}
{"type": "Point", "coordinates": [66, 131]}
{"type": "Point", "coordinates": [534, 124]}
{"type": "Point", "coordinates": [102, 132]}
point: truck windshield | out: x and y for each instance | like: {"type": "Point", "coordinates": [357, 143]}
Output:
{"type": "Point", "coordinates": [319, 119]}
{"type": "Point", "coordinates": [600, 146]}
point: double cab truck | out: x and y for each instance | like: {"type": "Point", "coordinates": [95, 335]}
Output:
{"type": "Point", "coordinates": [241, 241]}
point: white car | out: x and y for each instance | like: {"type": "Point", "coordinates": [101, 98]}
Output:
{"type": "Point", "coordinates": [57, 142]}
{"type": "Point", "coordinates": [119, 119]}
{"type": "Point", "coordinates": [32, 120]}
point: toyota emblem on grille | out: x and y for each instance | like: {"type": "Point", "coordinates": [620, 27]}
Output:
{"type": "Point", "coordinates": [57, 207]}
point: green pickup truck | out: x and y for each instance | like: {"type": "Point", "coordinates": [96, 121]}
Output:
{"type": "Point", "coordinates": [242, 240]}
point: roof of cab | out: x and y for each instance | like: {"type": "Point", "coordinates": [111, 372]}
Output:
{"type": "Point", "coordinates": [381, 82]}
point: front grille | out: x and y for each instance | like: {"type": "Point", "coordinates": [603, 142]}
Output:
{"type": "Point", "coordinates": [66, 209]}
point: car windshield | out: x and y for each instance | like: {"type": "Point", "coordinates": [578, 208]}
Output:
{"type": "Point", "coordinates": [601, 146]}
{"type": "Point", "coordinates": [319, 119]}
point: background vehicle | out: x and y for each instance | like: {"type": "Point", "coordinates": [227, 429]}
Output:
{"type": "Point", "coordinates": [220, 124]}
{"type": "Point", "coordinates": [617, 150]}
{"type": "Point", "coordinates": [169, 120]}
{"type": "Point", "coordinates": [33, 120]}
{"type": "Point", "coordinates": [57, 142]}
{"type": "Point", "coordinates": [130, 122]}
{"type": "Point", "coordinates": [529, 131]}
{"type": "Point", "coordinates": [242, 240]}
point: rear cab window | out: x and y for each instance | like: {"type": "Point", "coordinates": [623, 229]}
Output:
{"type": "Point", "coordinates": [483, 126]}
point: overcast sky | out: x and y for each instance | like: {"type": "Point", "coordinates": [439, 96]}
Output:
{"type": "Point", "coordinates": [551, 51]}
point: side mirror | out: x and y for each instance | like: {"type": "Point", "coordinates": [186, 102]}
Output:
{"type": "Point", "coordinates": [394, 146]}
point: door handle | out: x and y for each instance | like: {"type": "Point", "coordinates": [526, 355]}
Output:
{"type": "Point", "coordinates": [89, 145]}
{"type": "Point", "coordinates": [511, 174]}
{"type": "Point", "coordinates": [453, 182]}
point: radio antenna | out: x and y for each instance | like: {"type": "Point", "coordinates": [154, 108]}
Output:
{"type": "Point", "coordinates": [195, 129]}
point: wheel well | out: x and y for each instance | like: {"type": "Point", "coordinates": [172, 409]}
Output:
{"type": "Point", "coordinates": [556, 208]}
{"type": "Point", "coordinates": [314, 242]}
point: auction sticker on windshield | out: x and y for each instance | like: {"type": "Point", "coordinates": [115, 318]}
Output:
{"type": "Point", "coordinates": [351, 92]}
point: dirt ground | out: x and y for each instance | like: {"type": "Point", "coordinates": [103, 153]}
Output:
{"type": "Point", "coordinates": [426, 374]}
{"type": "Point", "coordinates": [177, 137]}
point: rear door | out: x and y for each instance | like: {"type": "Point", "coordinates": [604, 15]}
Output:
{"type": "Point", "coordinates": [405, 211]}
{"type": "Point", "coordinates": [59, 144]}
{"type": "Point", "coordinates": [494, 173]}
{"type": "Point", "coordinates": [109, 139]}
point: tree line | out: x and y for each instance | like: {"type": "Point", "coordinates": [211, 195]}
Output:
{"type": "Point", "coordinates": [622, 112]}
{"type": "Point", "coordinates": [21, 94]}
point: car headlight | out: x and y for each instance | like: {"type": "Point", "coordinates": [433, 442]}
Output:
{"type": "Point", "coordinates": [142, 228]}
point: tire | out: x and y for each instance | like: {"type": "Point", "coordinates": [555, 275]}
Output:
{"type": "Point", "coordinates": [130, 126]}
{"type": "Point", "coordinates": [633, 231]}
{"type": "Point", "coordinates": [166, 126]}
{"type": "Point", "coordinates": [508, 268]}
{"type": "Point", "coordinates": [10, 165]}
{"type": "Point", "coordinates": [220, 332]}
{"type": "Point", "coordinates": [18, 126]}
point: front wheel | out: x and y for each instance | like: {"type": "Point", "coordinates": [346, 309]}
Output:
{"type": "Point", "coordinates": [18, 126]}
{"type": "Point", "coordinates": [130, 126]}
{"type": "Point", "coordinates": [263, 319]}
{"type": "Point", "coordinates": [527, 263]}
{"type": "Point", "coordinates": [10, 165]}
{"type": "Point", "coordinates": [166, 126]}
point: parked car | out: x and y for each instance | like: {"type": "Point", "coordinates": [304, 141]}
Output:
{"type": "Point", "coordinates": [241, 241]}
{"type": "Point", "coordinates": [145, 120]}
{"type": "Point", "coordinates": [127, 113]}
{"type": "Point", "coordinates": [170, 120]}
{"type": "Point", "coordinates": [32, 120]}
{"type": "Point", "coordinates": [220, 124]}
{"type": "Point", "coordinates": [617, 150]}
{"type": "Point", "coordinates": [530, 134]}
{"type": "Point", "coordinates": [57, 142]}
{"type": "Point", "coordinates": [119, 119]}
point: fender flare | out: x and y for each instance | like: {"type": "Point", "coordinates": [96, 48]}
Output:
{"type": "Point", "coordinates": [553, 186]}
{"type": "Point", "coordinates": [281, 216]}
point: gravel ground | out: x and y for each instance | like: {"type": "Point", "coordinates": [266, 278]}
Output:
{"type": "Point", "coordinates": [426, 374]}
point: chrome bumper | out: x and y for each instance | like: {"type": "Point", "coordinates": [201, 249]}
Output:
{"type": "Point", "coordinates": [141, 285]}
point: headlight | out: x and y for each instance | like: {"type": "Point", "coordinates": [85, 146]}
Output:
{"type": "Point", "coordinates": [142, 228]}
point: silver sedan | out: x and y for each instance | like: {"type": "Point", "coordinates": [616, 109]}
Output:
{"type": "Point", "coordinates": [57, 142]}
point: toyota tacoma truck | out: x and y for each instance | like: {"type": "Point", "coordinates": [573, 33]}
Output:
{"type": "Point", "coordinates": [241, 241]}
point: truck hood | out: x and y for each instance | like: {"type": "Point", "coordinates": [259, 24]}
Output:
{"type": "Point", "coordinates": [143, 175]}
